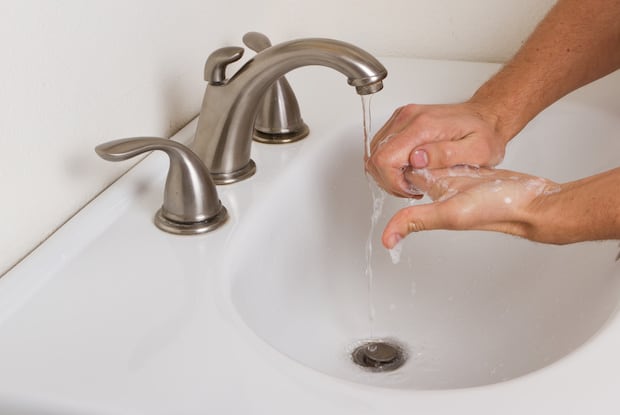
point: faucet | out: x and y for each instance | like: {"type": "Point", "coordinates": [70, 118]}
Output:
{"type": "Point", "coordinates": [279, 119]}
{"type": "Point", "coordinates": [191, 205]}
{"type": "Point", "coordinates": [225, 126]}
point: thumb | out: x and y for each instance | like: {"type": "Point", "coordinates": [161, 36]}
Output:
{"type": "Point", "coordinates": [412, 219]}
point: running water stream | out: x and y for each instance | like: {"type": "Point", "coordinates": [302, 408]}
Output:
{"type": "Point", "coordinates": [378, 198]}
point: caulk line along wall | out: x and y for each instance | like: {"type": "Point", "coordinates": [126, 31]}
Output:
{"type": "Point", "coordinates": [76, 73]}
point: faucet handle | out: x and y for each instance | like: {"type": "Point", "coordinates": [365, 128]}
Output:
{"type": "Point", "coordinates": [215, 68]}
{"type": "Point", "coordinates": [279, 119]}
{"type": "Point", "coordinates": [191, 204]}
{"type": "Point", "coordinates": [256, 41]}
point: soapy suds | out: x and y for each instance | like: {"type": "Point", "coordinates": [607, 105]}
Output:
{"type": "Point", "coordinates": [464, 170]}
{"type": "Point", "coordinates": [447, 195]}
{"type": "Point", "coordinates": [542, 186]}
{"type": "Point", "coordinates": [396, 251]}
{"type": "Point", "coordinates": [440, 187]}
{"type": "Point", "coordinates": [497, 186]}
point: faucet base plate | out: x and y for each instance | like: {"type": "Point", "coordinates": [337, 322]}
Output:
{"type": "Point", "coordinates": [281, 138]}
{"type": "Point", "coordinates": [235, 176]}
{"type": "Point", "coordinates": [193, 228]}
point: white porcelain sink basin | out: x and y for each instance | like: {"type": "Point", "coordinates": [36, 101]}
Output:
{"type": "Point", "coordinates": [112, 316]}
{"type": "Point", "coordinates": [471, 308]}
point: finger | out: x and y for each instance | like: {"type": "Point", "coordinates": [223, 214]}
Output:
{"type": "Point", "coordinates": [422, 180]}
{"type": "Point", "coordinates": [397, 185]}
{"type": "Point", "coordinates": [387, 165]}
{"type": "Point", "coordinates": [390, 128]}
{"type": "Point", "coordinates": [441, 184]}
{"type": "Point", "coordinates": [399, 124]}
{"type": "Point", "coordinates": [412, 219]}
{"type": "Point", "coordinates": [389, 179]}
{"type": "Point", "coordinates": [442, 154]}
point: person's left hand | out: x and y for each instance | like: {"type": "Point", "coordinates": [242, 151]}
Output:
{"type": "Point", "coordinates": [469, 198]}
{"type": "Point", "coordinates": [433, 137]}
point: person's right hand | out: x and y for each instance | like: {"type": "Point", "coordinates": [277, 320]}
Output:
{"type": "Point", "coordinates": [433, 136]}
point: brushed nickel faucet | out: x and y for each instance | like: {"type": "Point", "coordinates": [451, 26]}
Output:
{"type": "Point", "coordinates": [225, 126]}
{"type": "Point", "coordinates": [279, 119]}
{"type": "Point", "coordinates": [191, 204]}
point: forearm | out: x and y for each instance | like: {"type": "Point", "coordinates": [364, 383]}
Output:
{"type": "Point", "coordinates": [586, 209]}
{"type": "Point", "coordinates": [577, 42]}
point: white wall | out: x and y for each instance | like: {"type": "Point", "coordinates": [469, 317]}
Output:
{"type": "Point", "coordinates": [75, 73]}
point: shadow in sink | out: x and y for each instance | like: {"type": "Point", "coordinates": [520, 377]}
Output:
{"type": "Point", "coordinates": [471, 308]}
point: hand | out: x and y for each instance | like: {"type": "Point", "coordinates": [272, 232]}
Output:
{"type": "Point", "coordinates": [433, 136]}
{"type": "Point", "coordinates": [471, 198]}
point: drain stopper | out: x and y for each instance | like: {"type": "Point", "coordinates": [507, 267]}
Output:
{"type": "Point", "coordinates": [378, 356]}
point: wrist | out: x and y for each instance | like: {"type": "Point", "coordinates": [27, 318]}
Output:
{"type": "Point", "coordinates": [544, 219]}
{"type": "Point", "coordinates": [584, 210]}
{"type": "Point", "coordinates": [502, 117]}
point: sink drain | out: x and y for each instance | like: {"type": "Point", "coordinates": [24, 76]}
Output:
{"type": "Point", "coordinates": [379, 355]}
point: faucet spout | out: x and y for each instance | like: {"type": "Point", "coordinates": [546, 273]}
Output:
{"type": "Point", "coordinates": [225, 126]}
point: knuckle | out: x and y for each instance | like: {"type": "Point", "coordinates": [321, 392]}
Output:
{"type": "Point", "coordinates": [481, 155]}
{"type": "Point", "coordinates": [406, 112]}
{"type": "Point", "coordinates": [444, 155]}
{"type": "Point", "coordinates": [415, 226]}
{"type": "Point", "coordinates": [497, 156]}
{"type": "Point", "coordinates": [379, 158]}
{"type": "Point", "coordinates": [410, 108]}
{"type": "Point", "coordinates": [489, 154]}
{"type": "Point", "coordinates": [448, 153]}
{"type": "Point", "coordinates": [424, 118]}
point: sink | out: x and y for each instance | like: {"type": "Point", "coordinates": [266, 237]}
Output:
{"type": "Point", "coordinates": [469, 308]}
{"type": "Point", "coordinates": [112, 316]}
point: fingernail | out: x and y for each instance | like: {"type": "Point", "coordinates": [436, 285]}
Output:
{"type": "Point", "coordinates": [419, 159]}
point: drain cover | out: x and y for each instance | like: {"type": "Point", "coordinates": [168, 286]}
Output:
{"type": "Point", "coordinates": [379, 355]}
